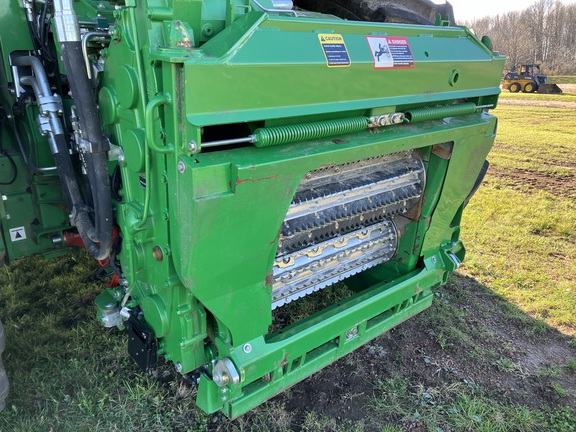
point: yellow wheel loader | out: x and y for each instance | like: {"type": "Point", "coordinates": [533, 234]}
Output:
{"type": "Point", "coordinates": [529, 79]}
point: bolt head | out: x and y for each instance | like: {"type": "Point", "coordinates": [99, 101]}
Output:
{"type": "Point", "coordinates": [179, 367]}
{"type": "Point", "coordinates": [181, 167]}
{"type": "Point", "coordinates": [193, 146]}
{"type": "Point", "coordinates": [247, 348]}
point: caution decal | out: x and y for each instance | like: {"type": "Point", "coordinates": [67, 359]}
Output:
{"type": "Point", "coordinates": [391, 52]}
{"type": "Point", "coordinates": [17, 234]}
{"type": "Point", "coordinates": [334, 50]}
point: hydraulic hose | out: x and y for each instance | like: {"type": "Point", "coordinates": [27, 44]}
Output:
{"type": "Point", "coordinates": [94, 146]}
{"type": "Point", "coordinates": [95, 237]}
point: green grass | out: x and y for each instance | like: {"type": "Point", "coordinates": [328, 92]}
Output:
{"type": "Point", "coordinates": [562, 79]}
{"type": "Point", "coordinates": [521, 231]}
{"type": "Point", "coordinates": [561, 97]}
{"type": "Point", "coordinates": [69, 374]}
{"type": "Point", "coordinates": [536, 139]}
{"type": "Point", "coordinates": [461, 408]}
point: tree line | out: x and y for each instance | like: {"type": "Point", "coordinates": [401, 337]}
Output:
{"type": "Point", "coordinates": [545, 33]}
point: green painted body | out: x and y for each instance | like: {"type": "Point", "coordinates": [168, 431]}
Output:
{"type": "Point", "coordinates": [200, 227]}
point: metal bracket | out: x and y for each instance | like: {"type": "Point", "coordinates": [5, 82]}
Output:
{"type": "Point", "coordinates": [225, 373]}
{"type": "Point", "coordinates": [142, 345]}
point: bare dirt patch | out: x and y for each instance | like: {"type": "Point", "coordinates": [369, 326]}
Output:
{"type": "Point", "coordinates": [521, 179]}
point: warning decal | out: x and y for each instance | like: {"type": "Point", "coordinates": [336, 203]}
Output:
{"type": "Point", "coordinates": [391, 52]}
{"type": "Point", "coordinates": [17, 234]}
{"type": "Point", "coordinates": [334, 50]}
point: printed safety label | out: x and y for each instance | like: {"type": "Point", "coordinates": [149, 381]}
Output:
{"type": "Point", "coordinates": [17, 234]}
{"type": "Point", "coordinates": [334, 50]}
{"type": "Point", "coordinates": [391, 52]}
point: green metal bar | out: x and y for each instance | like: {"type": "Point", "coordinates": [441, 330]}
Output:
{"type": "Point", "coordinates": [321, 339]}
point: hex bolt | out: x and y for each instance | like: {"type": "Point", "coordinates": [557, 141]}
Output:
{"type": "Point", "coordinates": [193, 146]}
{"type": "Point", "coordinates": [181, 167]}
{"type": "Point", "coordinates": [179, 367]}
{"type": "Point", "coordinates": [433, 259]}
{"type": "Point", "coordinates": [247, 348]}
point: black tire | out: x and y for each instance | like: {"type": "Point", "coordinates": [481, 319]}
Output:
{"type": "Point", "coordinates": [515, 87]}
{"type": "Point", "coordinates": [407, 11]}
{"type": "Point", "coordinates": [3, 376]}
{"type": "Point", "coordinates": [530, 87]}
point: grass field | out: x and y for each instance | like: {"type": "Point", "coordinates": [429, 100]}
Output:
{"type": "Point", "coordinates": [496, 352]}
{"type": "Point", "coordinates": [536, 97]}
{"type": "Point", "coordinates": [559, 79]}
{"type": "Point", "coordinates": [528, 204]}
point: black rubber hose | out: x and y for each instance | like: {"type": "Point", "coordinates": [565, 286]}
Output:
{"type": "Point", "coordinates": [5, 153]}
{"type": "Point", "coordinates": [80, 212]}
{"type": "Point", "coordinates": [96, 159]}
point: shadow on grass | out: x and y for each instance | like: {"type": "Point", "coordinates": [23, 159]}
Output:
{"type": "Point", "coordinates": [471, 362]}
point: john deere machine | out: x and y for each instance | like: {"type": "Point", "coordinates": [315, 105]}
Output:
{"type": "Point", "coordinates": [529, 79]}
{"type": "Point", "coordinates": [226, 157]}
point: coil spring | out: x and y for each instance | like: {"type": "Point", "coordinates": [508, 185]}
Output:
{"type": "Point", "coordinates": [427, 114]}
{"type": "Point", "coordinates": [266, 137]}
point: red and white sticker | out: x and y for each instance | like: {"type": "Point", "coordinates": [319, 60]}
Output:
{"type": "Point", "coordinates": [391, 52]}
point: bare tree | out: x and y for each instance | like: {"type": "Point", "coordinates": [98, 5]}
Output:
{"type": "Point", "coordinates": [545, 32]}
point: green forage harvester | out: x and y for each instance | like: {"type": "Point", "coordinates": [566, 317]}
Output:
{"type": "Point", "coordinates": [225, 158]}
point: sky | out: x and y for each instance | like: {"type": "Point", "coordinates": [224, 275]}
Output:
{"type": "Point", "coordinates": [467, 10]}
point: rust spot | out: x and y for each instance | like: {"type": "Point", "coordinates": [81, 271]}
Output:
{"type": "Point", "coordinates": [184, 44]}
{"type": "Point", "coordinates": [326, 166]}
{"type": "Point", "coordinates": [239, 181]}
{"type": "Point", "coordinates": [283, 362]}
{"type": "Point", "coordinates": [269, 278]}
{"type": "Point", "coordinates": [157, 253]}
{"type": "Point", "coordinates": [277, 237]}
{"type": "Point", "coordinates": [417, 290]}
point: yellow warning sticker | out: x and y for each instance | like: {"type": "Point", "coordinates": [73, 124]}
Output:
{"type": "Point", "coordinates": [334, 50]}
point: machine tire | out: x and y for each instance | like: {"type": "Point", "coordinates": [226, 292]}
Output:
{"type": "Point", "coordinates": [530, 87]}
{"type": "Point", "coordinates": [515, 87]}
{"type": "Point", "coordinates": [393, 11]}
{"type": "Point", "coordinates": [3, 376]}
